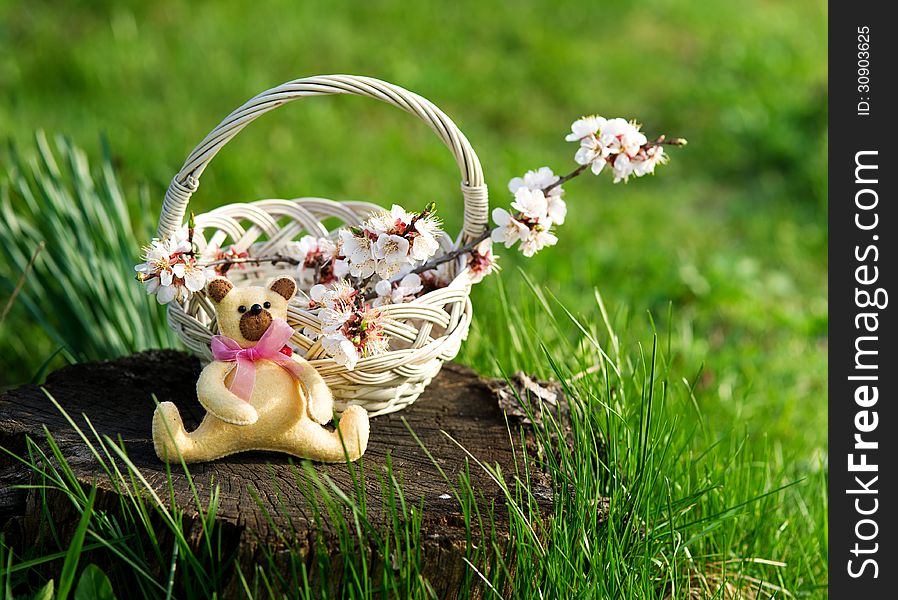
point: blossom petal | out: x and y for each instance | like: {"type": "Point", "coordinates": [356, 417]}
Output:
{"type": "Point", "coordinates": [584, 156]}
{"type": "Point", "coordinates": [166, 293]}
{"type": "Point", "coordinates": [317, 292]}
{"type": "Point", "coordinates": [515, 183]}
{"type": "Point", "coordinates": [341, 268]}
{"type": "Point", "coordinates": [410, 282]}
{"type": "Point", "coordinates": [195, 280]}
{"type": "Point", "coordinates": [424, 246]}
{"type": "Point", "coordinates": [383, 287]}
{"type": "Point", "coordinates": [501, 216]}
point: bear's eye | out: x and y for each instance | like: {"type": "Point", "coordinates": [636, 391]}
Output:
{"type": "Point", "coordinates": [267, 305]}
{"type": "Point", "coordinates": [241, 309]}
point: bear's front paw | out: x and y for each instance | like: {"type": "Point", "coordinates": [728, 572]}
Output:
{"type": "Point", "coordinates": [239, 414]}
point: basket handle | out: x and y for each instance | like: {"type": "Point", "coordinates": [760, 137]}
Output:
{"type": "Point", "coordinates": [186, 182]}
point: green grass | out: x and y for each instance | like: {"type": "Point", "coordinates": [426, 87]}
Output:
{"type": "Point", "coordinates": [688, 510]}
{"type": "Point", "coordinates": [725, 249]}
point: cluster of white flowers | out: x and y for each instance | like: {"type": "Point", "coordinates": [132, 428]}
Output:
{"type": "Point", "coordinates": [350, 329]}
{"type": "Point", "coordinates": [320, 260]}
{"type": "Point", "coordinates": [397, 292]}
{"type": "Point", "coordinates": [538, 207]}
{"type": "Point", "coordinates": [169, 268]}
{"type": "Point", "coordinates": [389, 242]}
{"type": "Point", "coordinates": [617, 142]}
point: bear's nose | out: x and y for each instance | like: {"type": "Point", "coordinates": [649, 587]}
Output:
{"type": "Point", "coordinates": [256, 309]}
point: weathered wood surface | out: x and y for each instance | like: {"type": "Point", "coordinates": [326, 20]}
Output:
{"type": "Point", "coordinates": [117, 398]}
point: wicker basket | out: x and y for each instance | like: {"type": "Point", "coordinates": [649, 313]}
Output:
{"type": "Point", "coordinates": [423, 333]}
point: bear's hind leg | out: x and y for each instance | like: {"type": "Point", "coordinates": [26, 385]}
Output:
{"type": "Point", "coordinates": [212, 439]}
{"type": "Point", "coordinates": [354, 428]}
{"type": "Point", "coordinates": [170, 440]}
{"type": "Point", "coordinates": [311, 440]}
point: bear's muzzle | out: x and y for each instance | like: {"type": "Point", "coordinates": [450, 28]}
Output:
{"type": "Point", "coordinates": [254, 323]}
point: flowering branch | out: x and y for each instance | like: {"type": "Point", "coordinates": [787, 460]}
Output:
{"type": "Point", "coordinates": [391, 257]}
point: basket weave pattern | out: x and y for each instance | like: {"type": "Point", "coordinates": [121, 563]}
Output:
{"type": "Point", "coordinates": [423, 333]}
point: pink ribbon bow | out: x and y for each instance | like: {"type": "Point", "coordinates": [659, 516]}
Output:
{"type": "Point", "coordinates": [269, 347]}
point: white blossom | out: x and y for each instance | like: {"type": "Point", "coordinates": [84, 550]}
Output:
{"type": "Point", "coordinates": [359, 253]}
{"type": "Point", "coordinates": [557, 209]}
{"type": "Point", "coordinates": [319, 294]}
{"type": "Point", "coordinates": [352, 334]}
{"type": "Point", "coordinates": [401, 216]}
{"type": "Point", "coordinates": [356, 249]}
{"type": "Point", "coordinates": [592, 153]}
{"type": "Point", "coordinates": [332, 320]}
{"type": "Point", "coordinates": [531, 203]}
{"type": "Point", "coordinates": [539, 179]}
{"type": "Point", "coordinates": [338, 295]}
{"type": "Point", "coordinates": [165, 293]}
{"type": "Point", "coordinates": [388, 270]}
{"type": "Point", "coordinates": [623, 168]}
{"type": "Point", "coordinates": [645, 162]}
{"type": "Point", "coordinates": [482, 261]}
{"type": "Point", "coordinates": [396, 219]}
{"type": "Point", "coordinates": [384, 289]}
{"type": "Point", "coordinates": [156, 258]}
{"type": "Point", "coordinates": [396, 293]}
{"type": "Point", "coordinates": [621, 136]}
{"type": "Point", "coordinates": [425, 244]}
{"type": "Point", "coordinates": [194, 276]}
{"type": "Point", "coordinates": [179, 241]}
{"type": "Point", "coordinates": [585, 126]}
{"type": "Point", "coordinates": [169, 270]}
{"type": "Point", "coordinates": [510, 230]}
{"type": "Point", "coordinates": [300, 249]}
{"type": "Point", "coordinates": [341, 349]}
{"type": "Point", "coordinates": [536, 240]}
{"type": "Point", "coordinates": [317, 257]}
{"type": "Point", "coordinates": [613, 141]}
{"type": "Point", "coordinates": [341, 268]}
{"type": "Point", "coordinates": [363, 270]}
{"type": "Point", "coordinates": [391, 248]}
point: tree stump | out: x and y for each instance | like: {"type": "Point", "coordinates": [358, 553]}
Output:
{"type": "Point", "coordinates": [117, 398]}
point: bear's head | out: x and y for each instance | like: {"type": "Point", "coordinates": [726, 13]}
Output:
{"type": "Point", "coordinates": [245, 313]}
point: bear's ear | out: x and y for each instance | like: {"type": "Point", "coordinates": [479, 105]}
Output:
{"type": "Point", "coordinates": [218, 288]}
{"type": "Point", "coordinates": [283, 286]}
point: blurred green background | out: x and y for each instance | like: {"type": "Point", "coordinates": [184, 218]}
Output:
{"type": "Point", "coordinates": [730, 238]}
{"type": "Point", "coordinates": [732, 231]}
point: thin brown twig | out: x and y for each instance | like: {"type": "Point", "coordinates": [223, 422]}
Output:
{"type": "Point", "coordinates": [253, 260]}
{"type": "Point", "coordinates": [452, 255]}
{"type": "Point", "coordinates": [21, 282]}
{"type": "Point", "coordinates": [663, 141]}
{"type": "Point", "coordinates": [565, 178]}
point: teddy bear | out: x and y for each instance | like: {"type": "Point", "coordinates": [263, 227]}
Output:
{"type": "Point", "coordinates": [257, 395]}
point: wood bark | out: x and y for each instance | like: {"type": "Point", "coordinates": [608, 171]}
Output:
{"type": "Point", "coordinates": [262, 494]}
